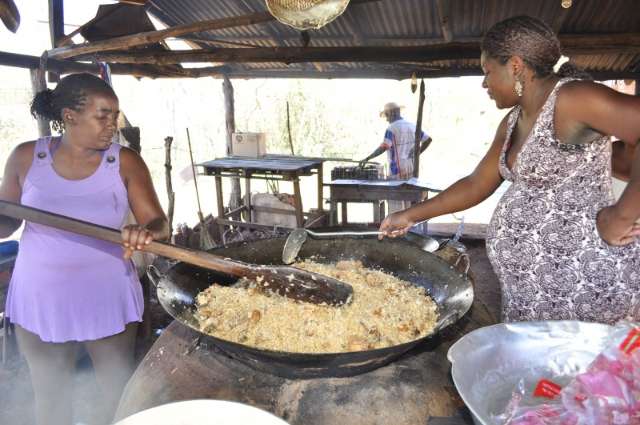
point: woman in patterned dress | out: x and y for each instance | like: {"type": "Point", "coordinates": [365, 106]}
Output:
{"type": "Point", "coordinates": [560, 245]}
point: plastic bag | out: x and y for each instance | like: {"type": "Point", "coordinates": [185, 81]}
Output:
{"type": "Point", "coordinates": [608, 392]}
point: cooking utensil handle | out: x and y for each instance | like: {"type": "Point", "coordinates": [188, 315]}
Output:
{"type": "Point", "coordinates": [108, 234]}
{"type": "Point", "coordinates": [339, 234]}
{"type": "Point", "coordinates": [467, 263]}
{"type": "Point", "coordinates": [154, 275]}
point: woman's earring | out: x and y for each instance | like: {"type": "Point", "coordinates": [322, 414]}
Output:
{"type": "Point", "coordinates": [519, 88]}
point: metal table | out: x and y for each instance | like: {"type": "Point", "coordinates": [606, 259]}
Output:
{"type": "Point", "coordinates": [269, 167]}
{"type": "Point", "coordinates": [375, 192]}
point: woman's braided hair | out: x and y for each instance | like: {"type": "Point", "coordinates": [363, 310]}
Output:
{"type": "Point", "coordinates": [71, 92]}
{"type": "Point", "coordinates": [532, 40]}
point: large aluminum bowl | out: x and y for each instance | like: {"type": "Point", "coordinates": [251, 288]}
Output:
{"type": "Point", "coordinates": [201, 412]}
{"type": "Point", "coordinates": [488, 363]}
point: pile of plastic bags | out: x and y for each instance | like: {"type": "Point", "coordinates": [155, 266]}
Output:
{"type": "Point", "coordinates": [608, 392]}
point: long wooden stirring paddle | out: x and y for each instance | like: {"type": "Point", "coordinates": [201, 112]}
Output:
{"type": "Point", "coordinates": [289, 282]}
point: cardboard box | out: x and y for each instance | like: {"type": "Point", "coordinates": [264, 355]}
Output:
{"type": "Point", "coordinates": [248, 144]}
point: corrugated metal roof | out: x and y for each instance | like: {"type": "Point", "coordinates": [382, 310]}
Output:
{"type": "Point", "coordinates": [405, 23]}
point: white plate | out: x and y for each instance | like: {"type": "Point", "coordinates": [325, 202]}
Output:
{"type": "Point", "coordinates": [202, 412]}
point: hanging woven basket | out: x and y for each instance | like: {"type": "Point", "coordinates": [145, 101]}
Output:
{"type": "Point", "coordinates": [306, 14]}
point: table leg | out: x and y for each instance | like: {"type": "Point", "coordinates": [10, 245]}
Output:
{"type": "Point", "coordinates": [383, 213]}
{"type": "Point", "coordinates": [220, 200]}
{"type": "Point", "coordinates": [297, 199]}
{"type": "Point", "coordinates": [344, 213]}
{"type": "Point", "coordinates": [376, 211]}
{"type": "Point", "coordinates": [320, 188]}
{"type": "Point", "coordinates": [333, 213]}
{"type": "Point", "coordinates": [247, 196]}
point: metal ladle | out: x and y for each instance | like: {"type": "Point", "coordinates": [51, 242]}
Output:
{"type": "Point", "coordinates": [297, 237]}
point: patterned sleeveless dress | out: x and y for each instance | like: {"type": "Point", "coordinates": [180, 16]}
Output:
{"type": "Point", "coordinates": [542, 239]}
{"type": "Point", "coordinates": [67, 287]}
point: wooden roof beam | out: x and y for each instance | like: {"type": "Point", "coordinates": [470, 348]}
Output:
{"type": "Point", "coordinates": [151, 37]}
{"type": "Point", "coordinates": [397, 74]}
{"type": "Point", "coordinates": [298, 54]}
{"type": "Point", "coordinates": [150, 71]}
{"type": "Point", "coordinates": [353, 27]}
{"type": "Point", "coordinates": [574, 44]}
{"type": "Point", "coordinates": [444, 9]}
{"type": "Point", "coordinates": [567, 40]}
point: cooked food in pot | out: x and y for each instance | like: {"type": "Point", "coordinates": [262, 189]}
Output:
{"type": "Point", "coordinates": [385, 311]}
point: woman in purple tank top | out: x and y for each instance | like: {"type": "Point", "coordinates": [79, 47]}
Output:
{"type": "Point", "coordinates": [68, 289]}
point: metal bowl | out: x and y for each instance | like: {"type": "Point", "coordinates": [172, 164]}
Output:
{"type": "Point", "coordinates": [489, 363]}
{"type": "Point", "coordinates": [197, 412]}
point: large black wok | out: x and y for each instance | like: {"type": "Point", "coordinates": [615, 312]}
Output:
{"type": "Point", "coordinates": [452, 291]}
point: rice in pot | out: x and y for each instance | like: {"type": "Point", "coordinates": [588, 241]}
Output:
{"type": "Point", "coordinates": [385, 311]}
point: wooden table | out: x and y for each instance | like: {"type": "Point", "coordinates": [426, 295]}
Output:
{"type": "Point", "coordinates": [269, 167]}
{"type": "Point", "coordinates": [375, 192]}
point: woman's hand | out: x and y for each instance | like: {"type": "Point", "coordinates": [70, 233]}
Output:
{"type": "Point", "coordinates": [396, 224]}
{"type": "Point", "coordinates": [614, 229]}
{"type": "Point", "coordinates": [135, 237]}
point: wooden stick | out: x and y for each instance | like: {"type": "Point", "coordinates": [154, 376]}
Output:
{"type": "Point", "coordinates": [167, 173]}
{"type": "Point", "coordinates": [289, 130]}
{"type": "Point", "coordinates": [416, 148]}
{"type": "Point", "coordinates": [195, 180]}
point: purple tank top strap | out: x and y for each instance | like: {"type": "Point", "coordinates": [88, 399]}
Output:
{"type": "Point", "coordinates": [42, 153]}
{"type": "Point", "coordinates": [112, 158]}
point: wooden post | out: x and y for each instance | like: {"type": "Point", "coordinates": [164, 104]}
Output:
{"type": "Point", "coordinates": [320, 186]}
{"type": "Point", "coordinates": [230, 119]}
{"type": "Point", "coordinates": [167, 172]}
{"type": "Point", "coordinates": [220, 202]}
{"type": "Point", "coordinates": [416, 148]}
{"type": "Point", "coordinates": [247, 195]}
{"type": "Point", "coordinates": [56, 28]}
{"type": "Point", "coordinates": [38, 84]}
{"type": "Point", "coordinates": [56, 21]}
{"type": "Point", "coordinates": [297, 200]}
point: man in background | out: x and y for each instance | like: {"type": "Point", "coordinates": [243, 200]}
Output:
{"type": "Point", "coordinates": [399, 143]}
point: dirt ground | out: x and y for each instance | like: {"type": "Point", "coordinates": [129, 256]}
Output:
{"type": "Point", "coordinates": [16, 394]}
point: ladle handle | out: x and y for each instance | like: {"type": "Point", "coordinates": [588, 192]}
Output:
{"type": "Point", "coordinates": [324, 235]}
{"type": "Point", "coordinates": [154, 275]}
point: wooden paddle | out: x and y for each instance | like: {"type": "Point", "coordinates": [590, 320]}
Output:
{"type": "Point", "coordinates": [289, 282]}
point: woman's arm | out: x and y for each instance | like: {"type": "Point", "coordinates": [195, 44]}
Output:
{"type": "Point", "coordinates": [11, 186]}
{"type": "Point", "coordinates": [595, 106]}
{"type": "Point", "coordinates": [152, 222]}
{"type": "Point", "coordinates": [463, 194]}
{"type": "Point", "coordinates": [622, 155]}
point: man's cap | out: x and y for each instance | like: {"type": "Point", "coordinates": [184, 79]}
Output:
{"type": "Point", "coordinates": [391, 106]}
